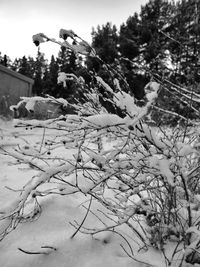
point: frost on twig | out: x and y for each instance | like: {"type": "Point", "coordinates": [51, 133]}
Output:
{"type": "Point", "coordinates": [143, 177]}
{"type": "Point", "coordinates": [80, 46]}
{"type": "Point", "coordinates": [46, 250]}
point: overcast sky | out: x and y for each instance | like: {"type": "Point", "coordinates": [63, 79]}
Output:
{"type": "Point", "coordinates": [20, 19]}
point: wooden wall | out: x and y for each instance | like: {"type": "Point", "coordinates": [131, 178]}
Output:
{"type": "Point", "coordinates": [12, 86]}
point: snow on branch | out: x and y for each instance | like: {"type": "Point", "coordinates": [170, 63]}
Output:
{"type": "Point", "coordinates": [138, 174]}
{"type": "Point", "coordinates": [80, 46]}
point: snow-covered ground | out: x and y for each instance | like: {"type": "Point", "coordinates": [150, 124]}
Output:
{"type": "Point", "coordinates": [46, 241]}
{"type": "Point", "coordinates": [52, 229]}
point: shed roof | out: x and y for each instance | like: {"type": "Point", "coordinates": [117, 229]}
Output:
{"type": "Point", "coordinates": [16, 74]}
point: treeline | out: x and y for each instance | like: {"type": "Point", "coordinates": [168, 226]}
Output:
{"type": "Point", "coordinates": [45, 73]}
{"type": "Point", "coordinates": [161, 42]}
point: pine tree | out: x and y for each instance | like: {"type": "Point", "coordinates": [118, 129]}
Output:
{"type": "Point", "coordinates": [105, 42]}
{"type": "Point", "coordinates": [185, 45]}
{"type": "Point", "coordinates": [66, 60]}
{"type": "Point", "coordinates": [25, 66]}
{"type": "Point", "coordinates": [155, 16]}
{"type": "Point", "coordinates": [129, 37]}
{"type": "Point", "coordinates": [50, 85]}
{"type": "Point", "coordinates": [40, 66]}
{"type": "Point", "coordinates": [15, 64]}
{"type": "Point", "coordinates": [5, 60]}
{"type": "Point", "coordinates": [131, 56]}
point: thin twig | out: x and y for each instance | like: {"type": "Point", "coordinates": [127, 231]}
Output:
{"type": "Point", "coordinates": [131, 256]}
{"type": "Point", "coordinates": [32, 252]}
{"type": "Point", "coordinates": [43, 135]}
{"type": "Point", "coordinates": [83, 219]}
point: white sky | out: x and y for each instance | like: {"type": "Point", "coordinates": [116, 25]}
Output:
{"type": "Point", "coordinates": [20, 19]}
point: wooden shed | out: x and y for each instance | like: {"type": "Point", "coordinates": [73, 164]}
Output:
{"type": "Point", "coordinates": [13, 85]}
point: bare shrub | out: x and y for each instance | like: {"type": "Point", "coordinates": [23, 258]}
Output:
{"type": "Point", "coordinates": [144, 177]}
